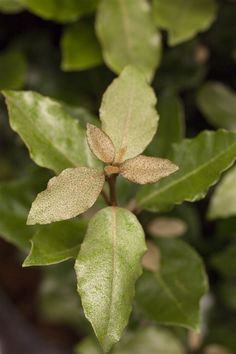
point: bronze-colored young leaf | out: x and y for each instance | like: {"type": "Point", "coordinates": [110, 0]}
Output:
{"type": "Point", "coordinates": [167, 227]}
{"type": "Point", "coordinates": [144, 169]}
{"type": "Point", "coordinates": [100, 144]}
{"type": "Point", "coordinates": [71, 193]}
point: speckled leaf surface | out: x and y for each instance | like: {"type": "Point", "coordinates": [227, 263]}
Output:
{"type": "Point", "coordinates": [69, 194]}
{"type": "Point", "coordinates": [128, 35]}
{"type": "Point", "coordinates": [201, 161]}
{"type": "Point", "coordinates": [128, 114]}
{"type": "Point", "coordinates": [171, 295]}
{"type": "Point", "coordinates": [55, 140]}
{"type": "Point", "coordinates": [107, 267]}
{"type": "Point", "coordinates": [184, 19]}
{"type": "Point", "coordinates": [56, 243]}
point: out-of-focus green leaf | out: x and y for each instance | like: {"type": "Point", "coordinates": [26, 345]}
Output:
{"type": "Point", "coordinates": [15, 200]}
{"type": "Point", "coordinates": [13, 68]}
{"type": "Point", "coordinates": [218, 104]}
{"type": "Point", "coordinates": [128, 114]}
{"type": "Point", "coordinates": [223, 201]}
{"type": "Point", "coordinates": [56, 243]}
{"type": "Point", "coordinates": [107, 267]}
{"type": "Point", "coordinates": [183, 20]}
{"type": "Point", "coordinates": [171, 295]}
{"type": "Point", "coordinates": [171, 126]}
{"type": "Point", "coordinates": [61, 11]}
{"type": "Point", "coordinates": [227, 292]}
{"type": "Point", "coordinates": [80, 48]}
{"type": "Point", "coordinates": [128, 35]}
{"type": "Point", "coordinates": [201, 161]}
{"type": "Point", "coordinates": [55, 140]}
{"type": "Point", "coordinates": [10, 6]}
{"type": "Point", "coordinates": [88, 346]}
{"type": "Point", "coordinates": [225, 261]}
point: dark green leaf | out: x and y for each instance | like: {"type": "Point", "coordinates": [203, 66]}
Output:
{"type": "Point", "coordinates": [225, 261]}
{"type": "Point", "coordinates": [13, 68]}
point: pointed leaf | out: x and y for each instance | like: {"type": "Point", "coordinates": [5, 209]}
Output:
{"type": "Point", "coordinates": [201, 161]}
{"type": "Point", "coordinates": [183, 20]}
{"type": "Point", "coordinates": [128, 35]}
{"type": "Point", "coordinates": [172, 294]}
{"type": "Point", "coordinates": [56, 243]}
{"type": "Point", "coordinates": [55, 140]}
{"type": "Point", "coordinates": [71, 193]}
{"type": "Point", "coordinates": [143, 169]}
{"type": "Point", "coordinates": [100, 144]}
{"type": "Point", "coordinates": [107, 268]}
{"type": "Point", "coordinates": [128, 114]}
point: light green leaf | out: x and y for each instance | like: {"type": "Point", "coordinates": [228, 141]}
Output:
{"type": "Point", "coordinates": [172, 294]}
{"type": "Point", "coordinates": [55, 140]}
{"type": "Point", "coordinates": [60, 10]}
{"type": "Point", "coordinates": [128, 35]}
{"type": "Point", "coordinates": [218, 104]}
{"type": "Point", "coordinates": [10, 6]}
{"type": "Point", "coordinates": [223, 201]}
{"type": "Point", "coordinates": [201, 161]}
{"type": "Point", "coordinates": [80, 48]}
{"type": "Point", "coordinates": [225, 261]}
{"type": "Point", "coordinates": [69, 194]}
{"type": "Point", "coordinates": [13, 68]}
{"type": "Point", "coordinates": [171, 126]}
{"type": "Point", "coordinates": [184, 19]}
{"type": "Point", "coordinates": [107, 268]}
{"type": "Point", "coordinates": [56, 243]}
{"type": "Point", "coordinates": [128, 114]}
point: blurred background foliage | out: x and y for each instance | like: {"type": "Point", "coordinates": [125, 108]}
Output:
{"type": "Point", "coordinates": [71, 50]}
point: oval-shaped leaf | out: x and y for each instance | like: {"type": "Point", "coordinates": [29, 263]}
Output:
{"type": "Point", "coordinates": [55, 140]}
{"type": "Point", "coordinates": [201, 161]}
{"type": "Point", "coordinates": [107, 268]}
{"type": "Point", "coordinates": [56, 243]}
{"type": "Point", "coordinates": [128, 114]}
{"type": "Point", "coordinates": [171, 295]}
{"type": "Point", "coordinates": [183, 20]}
{"type": "Point", "coordinates": [71, 193]}
{"type": "Point", "coordinates": [128, 35]}
{"type": "Point", "coordinates": [144, 169]}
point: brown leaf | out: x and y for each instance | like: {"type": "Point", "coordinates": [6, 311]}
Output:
{"type": "Point", "coordinates": [143, 169]}
{"type": "Point", "coordinates": [167, 227]}
{"type": "Point", "coordinates": [152, 258]}
{"type": "Point", "coordinates": [69, 194]}
{"type": "Point", "coordinates": [100, 144]}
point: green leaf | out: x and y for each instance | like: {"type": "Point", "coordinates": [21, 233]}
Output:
{"type": "Point", "coordinates": [69, 194]}
{"type": "Point", "coordinates": [60, 10]}
{"type": "Point", "coordinates": [10, 6]}
{"type": "Point", "coordinates": [225, 261]}
{"type": "Point", "coordinates": [223, 201]}
{"type": "Point", "coordinates": [171, 295]}
{"type": "Point", "coordinates": [15, 200]}
{"type": "Point", "coordinates": [171, 126]}
{"type": "Point", "coordinates": [183, 20]}
{"type": "Point", "coordinates": [218, 104]}
{"type": "Point", "coordinates": [201, 161]}
{"type": "Point", "coordinates": [13, 68]}
{"type": "Point", "coordinates": [128, 35]}
{"type": "Point", "coordinates": [88, 346]}
{"type": "Point", "coordinates": [80, 48]}
{"type": "Point", "coordinates": [55, 140]}
{"type": "Point", "coordinates": [56, 243]}
{"type": "Point", "coordinates": [128, 114]}
{"type": "Point", "coordinates": [107, 268]}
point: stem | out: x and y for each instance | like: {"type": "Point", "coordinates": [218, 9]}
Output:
{"type": "Point", "coordinates": [112, 184]}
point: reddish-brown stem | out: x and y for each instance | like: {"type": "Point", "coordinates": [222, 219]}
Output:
{"type": "Point", "coordinates": [112, 184]}
{"type": "Point", "coordinates": [106, 197]}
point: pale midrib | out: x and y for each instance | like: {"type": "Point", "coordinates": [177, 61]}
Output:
{"type": "Point", "coordinates": [125, 24]}
{"type": "Point", "coordinates": [47, 140]}
{"type": "Point", "coordinates": [168, 186]}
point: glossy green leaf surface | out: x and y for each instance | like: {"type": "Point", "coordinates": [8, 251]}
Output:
{"type": "Point", "coordinates": [201, 161]}
{"type": "Point", "coordinates": [171, 295]}
{"type": "Point", "coordinates": [171, 126]}
{"type": "Point", "coordinates": [128, 114]}
{"type": "Point", "coordinates": [60, 10]}
{"type": "Point", "coordinates": [55, 140]}
{"type": "Point", "coordinates": [107, 267]}
{"type": "Point", "coordinates": [56, 243]}
{"type": "Point", "coordinates": [223, 201]}
{"type": "Point", "coordinates": [128, 35]}
{"type": "Point", "coordinates": [217, 102]}
{"type": "Point", "coordinates": [225, 261]}
{"type": "Point", "coordinates": [13, 68]}
{"type": "Point", "coordinates": [184, 19]}
{"type": "Point", "coordinates": [80, 48]}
